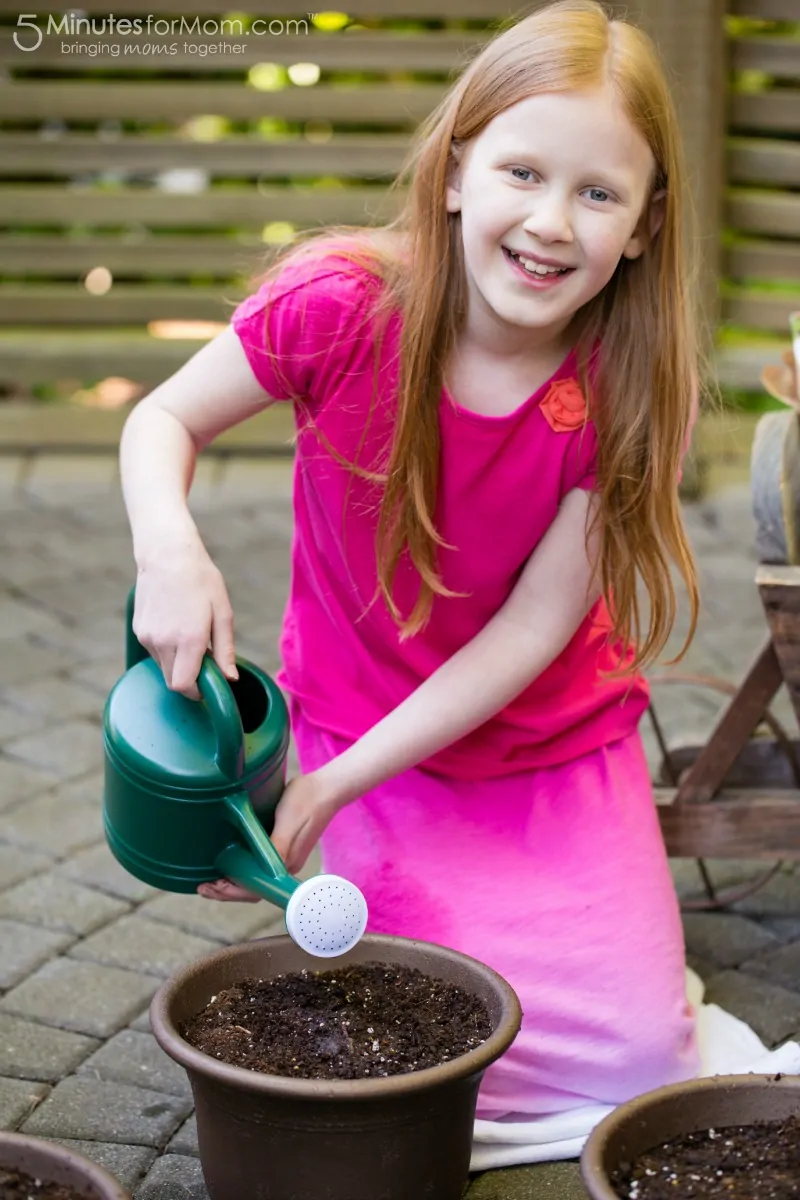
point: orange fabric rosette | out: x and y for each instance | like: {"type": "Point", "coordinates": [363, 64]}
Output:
{"type": "Point", "coordinates": [564, 406]}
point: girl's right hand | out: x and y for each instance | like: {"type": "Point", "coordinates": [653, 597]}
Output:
{"type": "Point", "coordinates": [182, 607]}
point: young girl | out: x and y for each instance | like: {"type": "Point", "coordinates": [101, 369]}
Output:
{"type": "Point", "coordinates": [493, 395]}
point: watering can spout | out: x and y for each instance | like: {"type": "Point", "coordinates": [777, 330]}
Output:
{"type": "Point", "coordinates": [326, 915]}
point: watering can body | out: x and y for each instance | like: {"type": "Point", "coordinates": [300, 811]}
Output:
{"type": "Point", "coordinates": [191, 786]}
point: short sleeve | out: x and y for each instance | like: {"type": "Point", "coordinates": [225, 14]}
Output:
{"type": "Point", "coordinates": [295, 324]}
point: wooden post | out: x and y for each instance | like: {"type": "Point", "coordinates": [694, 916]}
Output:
{"type": "Point", "coordinates": [690, 37]}
{"type": "Point", "coordinates": [779, 588]}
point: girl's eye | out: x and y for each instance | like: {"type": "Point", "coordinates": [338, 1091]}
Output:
{"type": "Point", "coordinates": [522, 171]}
{"type": "Point", "coordinates": [599, 194]}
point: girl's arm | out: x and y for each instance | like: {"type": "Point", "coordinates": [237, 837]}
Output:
{"type": "Point", "coordinates": [181, 600]}
{"type": "Point", "coordinates": [543, 612]}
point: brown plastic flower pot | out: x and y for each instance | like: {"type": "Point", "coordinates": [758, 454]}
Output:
{"type": "Point", "coordinates": [672, 1112]}
{"type": "Point", "coordinates": [267, 1137]}
{"type": "Point", "coordinates": [52, 1163]}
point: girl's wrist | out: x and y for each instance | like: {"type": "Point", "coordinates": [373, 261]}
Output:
{"type": "Point", "coordinates": [336, 787]}
{"type": "Point", "coordinates": [175, 537]}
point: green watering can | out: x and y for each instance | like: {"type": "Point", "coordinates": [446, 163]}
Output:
{"type": "Point", "coordinates": [191, 789]}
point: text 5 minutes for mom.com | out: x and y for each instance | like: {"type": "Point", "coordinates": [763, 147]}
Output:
{"type": "Point", "coordinates": [31, 29]}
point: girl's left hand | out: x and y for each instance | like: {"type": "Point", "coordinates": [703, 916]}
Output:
{"type": "Point", "coordinates": [305, 810]}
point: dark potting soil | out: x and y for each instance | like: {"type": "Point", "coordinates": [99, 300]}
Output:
{"type": "Point", "coordinates": [16, 1185]}
{"type": "Point", "coordinates": [740, 1162]}
{"type": "Point", "coordinates": [350, 1023]}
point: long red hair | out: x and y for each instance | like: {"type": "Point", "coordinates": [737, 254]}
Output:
{"type": "Point", "coordinates": [644, 385]}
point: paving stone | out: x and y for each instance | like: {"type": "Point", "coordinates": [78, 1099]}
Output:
{"type": "Point", "coordinates": [223, 922]}
{"type": "Point", "coordinates": [725, 938]}
{"type": "Point", "coordinates": [101, 675]}
{"type": "Point", "coordinates": [152, 946]}
{"type": "Point", "coordinates": [96, 867]}
{"type": "Point", "coordinates": [53, 824]}
{"type": "Point", "coordinates": [52, 698]}
{"type": "Point", "coordinates": [787, 929]}
{"type": "Point", "coordinates": [542, 1181]}
{"type": "Point", "coordinates": [32, 1051]}
{"type": "Point", "coordinates": [16, 864]}
{"type": "Point", "coordinates": [24, 566]}
{"type": "Point", "coordinates": [781, 966]}
{"type": "Point", "coordinates": [778, 898]}
{"type": "Point", "coordinates": [20, 782]}
{"type": "Point", "coordinates": [75, 597]}
{"type": "Point", "coordinates": [142, 1023]}
{"type": "Point", "coordinates": [17, 619]}
{"type": "Point", "coordinates": [18, 1099]}
{"type": "Point", "coordinates": [137, 1059]}
{"type": "Point", "coordinates": [100, 638]}
{"type": "Point", "coordinates": [74, 548]}
{"type": "Point", "coordinates": [83, 997]}
{"type": "Point", "coordinates": [23, 948]}
{"type": "Point", "coordinates": [704, 969]}
{"type": "Point", "coordinates": [79, 1107]}
{"type": "Point", "coordinates": [772, 1011]}
{"type": "Point", "coordinates": [86, 789]}
{"type": "Point", "coordinates": [69, 749]}
{"type": "Point", "coordinates": [128, 1164]}
{"type": "Point", "coordinates": [174, 1177]}
{"type": "Point", "coordinates": [185, 1140]}
{"type": "Point", "coordinates": [53, 902]}
{"type": "Point", "coordinates": [14, 722]}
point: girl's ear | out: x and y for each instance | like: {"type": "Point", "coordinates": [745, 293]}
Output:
{"type": "Point", "coordinates": [453, 191]}
{"type": "Point", "coordinates": [453, 188]}
{"type": "Point", "coordinates": [647, 226]}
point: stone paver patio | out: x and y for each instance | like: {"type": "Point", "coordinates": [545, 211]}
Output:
{"type": "Point", "coordinates": [83, 945]}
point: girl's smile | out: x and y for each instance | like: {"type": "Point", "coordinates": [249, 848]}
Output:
{"type": "Point", "coordinates": [536, 272]}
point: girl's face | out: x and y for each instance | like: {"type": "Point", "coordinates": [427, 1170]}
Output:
{"type": "Point", "coordinates": [552, 194]}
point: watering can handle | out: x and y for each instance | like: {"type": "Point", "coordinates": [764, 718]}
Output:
{"type": "Point", "coordinates": [216, 692]}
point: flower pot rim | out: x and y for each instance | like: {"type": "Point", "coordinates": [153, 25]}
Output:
{"type": "Point", "coordinates": [104, 1184]}
{"type": "Point", "coordinates": [382, 1087]}
{"type": "Point", "coordinates": [593, 1168]}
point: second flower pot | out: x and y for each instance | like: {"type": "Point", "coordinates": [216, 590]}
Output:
{"type": "Point", "coordinates": [675, 1111]}
{"type": "Point", "coordinates": [53, 1163]}
{"type": "Point", "coordinates": [268, 1137]}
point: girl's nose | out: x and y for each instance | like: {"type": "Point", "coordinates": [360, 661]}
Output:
{"type": "Point", "coordinates": [549, 219]}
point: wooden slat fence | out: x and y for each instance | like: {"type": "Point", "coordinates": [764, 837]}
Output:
{"type": "Point", "coordinates": [176, 170]}
{"type": "Point", "coordinates": [761, 210]}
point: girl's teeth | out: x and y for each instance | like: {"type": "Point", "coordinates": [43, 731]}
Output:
{"type": "Point", "coordinates": [537, 268]}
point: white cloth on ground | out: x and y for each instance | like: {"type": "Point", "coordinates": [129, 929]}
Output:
{"type": "Point", "coordinates": [728, 1046]}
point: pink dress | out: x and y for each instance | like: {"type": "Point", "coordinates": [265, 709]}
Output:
{"type": "Point", "coordinates": [531, 844]}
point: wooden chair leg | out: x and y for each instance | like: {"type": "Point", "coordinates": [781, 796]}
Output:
{"type": "Point", "coordinates": [705, 777]}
